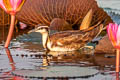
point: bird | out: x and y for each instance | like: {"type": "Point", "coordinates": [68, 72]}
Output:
{"type": "Point", "coordinates": [70, 40]}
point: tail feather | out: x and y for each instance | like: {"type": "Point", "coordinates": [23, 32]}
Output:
{"type": "Point", "coordinates": [87, 20]}
{"type": "Point", "coordinates": [95, 30]}
{"type": "Point", "coordinates": [100, 25]}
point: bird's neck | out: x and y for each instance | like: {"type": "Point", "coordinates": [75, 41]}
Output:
{"type": "Point", "coordinates": [45, 39]}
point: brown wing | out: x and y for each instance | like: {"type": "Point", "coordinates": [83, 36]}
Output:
{"type": "Point", "coordinates": [75, 37]}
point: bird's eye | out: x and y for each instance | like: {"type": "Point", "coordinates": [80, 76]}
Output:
{"type": "Point", "coordinates": [41, 28]}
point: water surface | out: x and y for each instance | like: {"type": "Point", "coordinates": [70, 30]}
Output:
{"type": "Point", "coordinates": [26, 59]}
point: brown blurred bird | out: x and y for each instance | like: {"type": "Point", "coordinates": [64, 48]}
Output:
{"type": "Point", "coordinates": [68, 40]}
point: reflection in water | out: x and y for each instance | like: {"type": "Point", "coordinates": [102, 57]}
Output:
{"type": "Point", "coordinates": [11, 62]}
{"type": "Point", "coordinates": [117, 76]}
{"type": "Point", "coordinates": [45, 62]}
{"type": "Point", "coordinates": [64, 58]}
{"type": "Point", "coordinates": [10, 59]}
{"type": "Point", "coordinates": [58, 61]}
{"type": "Point", "coordinates": [48, 60]}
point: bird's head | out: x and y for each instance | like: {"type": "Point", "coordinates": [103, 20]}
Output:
{"type": "Point", "coordinates": [41, 29]}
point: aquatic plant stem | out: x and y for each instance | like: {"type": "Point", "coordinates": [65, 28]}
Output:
{"type": "Point", "coordinates": [11, 29]}
{"type": "Point", "coordinates": [117, 60]}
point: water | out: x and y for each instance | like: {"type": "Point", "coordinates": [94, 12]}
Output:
{"type": "Point", "coordinates": [25, 63]}
{"type": "Point", "coordinates": [26, 59]}
{"type": "Point", "coordinates": [111, 6]}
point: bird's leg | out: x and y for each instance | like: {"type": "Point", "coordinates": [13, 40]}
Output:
{"type": "Point", "coordinates": [10, 31]}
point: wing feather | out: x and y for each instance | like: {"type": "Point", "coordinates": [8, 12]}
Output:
{"type": "Point", "coordinates": [76, 37]}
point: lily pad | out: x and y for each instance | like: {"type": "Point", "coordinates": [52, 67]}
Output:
{"type": "Point", "coordinates": [58, 71]}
